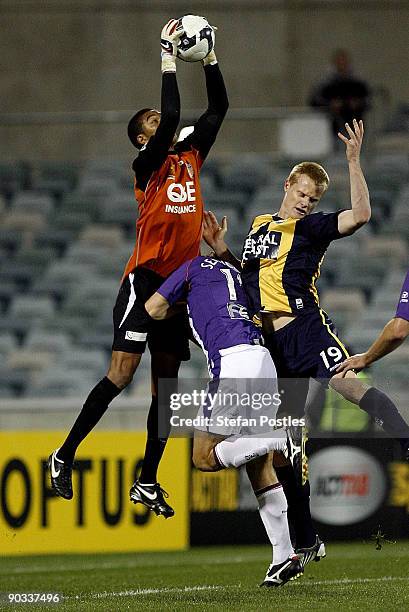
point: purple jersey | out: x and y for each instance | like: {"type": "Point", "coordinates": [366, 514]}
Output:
{"type": "Point", "coordinates": [217, 304]}
{"type": "Point", "coordinates": [402, 310]}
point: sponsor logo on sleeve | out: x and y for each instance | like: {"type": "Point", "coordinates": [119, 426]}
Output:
{"type": "Point", "coordinates": [404, 298]}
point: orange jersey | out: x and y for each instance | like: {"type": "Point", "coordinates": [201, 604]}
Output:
{"type": "Point", "coordinates": [169, 227]}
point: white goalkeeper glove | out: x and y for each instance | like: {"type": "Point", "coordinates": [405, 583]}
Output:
{"type": "Point", "coordinates": [169, 39]}
{"type": "Point", "coordinates": [211, 59]}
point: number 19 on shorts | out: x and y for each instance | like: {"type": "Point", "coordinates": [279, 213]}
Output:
{"type": "Point", "coordinates": [331, 357]}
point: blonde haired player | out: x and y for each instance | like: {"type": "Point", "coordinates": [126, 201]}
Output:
{"type": "Point", "coordinates": [281, 261]}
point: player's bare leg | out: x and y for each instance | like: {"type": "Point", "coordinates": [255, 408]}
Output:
{"type": "Point", "coordinates": [146, 490]}
{"type": "Point", "coordinates": [122, 368]}
{"type": "Point", "coordinates": [203, 451]}
{"type": "Point", "coordinates": [121, 371]}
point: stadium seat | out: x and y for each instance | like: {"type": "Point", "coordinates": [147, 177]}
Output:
{"type": "Point", "coordinates": [2, 204]}
{"type": "Point", "coordinates": [36, 257]}
{"type": "Point", "coordinates": [246, 174]}
{"type": "Point", "coordinates": [13, 176]}
{"type": "Point", "coordinates": [70, 326]}
{"type": "Point", "coordinates": [70, 221]}
{"type": "Point", "coordinates": [96, 339]}
{"type": "Point", "coordinates": [75, 202]}
{"type": "Point", "coordinates": [365, 274]}
{"type": "Point", "coordinates": [8, 343]}
{"type": "Point", "coordinates": [391, 161]}
{"type": "Point", "coordinates": [105, 169]}
{"type": "Point", "coordinates": [120, 209]}
{"type": "Point", "coordinates": [41, 340]}
{"type": "Point", "coordinates": [99, 289]}
{"type": "Point", "coordinates": [402, 198]}
{"type": "Point", "coordinates": [22, 273]}
{"type": "Point", "coordinates": [57, 382]}
{"type": "Point", "coordinates": [61, 277]}
{"type": "Point", "coordinates": [335, 299]}
{"type": "Point", "coordinates": [32, 201]}
{"type": "Point", "coordinates": [378, 317]}
{"type": "Point", "coordinates": [385, 300]}
{"type": "Point", "coordinates": [380, 246]}
{"type": "Point", "coordinates": [398, 226]}
{"type": "Point", "coordinates": [359, 338]}
{"type": "Point", "coordinates": [92, 360]}
{"type": "Point", "coordinates": [10, 240]}
{"type": "Point", "coordinates": [27, 222]}
{"type": "Point", "coordinates": [56, 239]}
{"type": "Point", "coordinates": [28, 360]}
{"type": "Point", "coordinates": [105, 236]}
{"type": "Point", "coordinates": [207, 186]}
{"type": "Point", "coordinates": [83, 253]}
{"type": "Point", "coordinates": [56, 177]}
{"type": "Point", "coordinates": [234, 201]}
{"type": "Point", "coordinates": [31, 307]}
{"type": "Point", "coordinates": [12, 381]}
{"type": "Point", "coordinates": [97, 186]}
{"type": "Point", "coordinates": [87, 300]}
{"type": "Point", "coordinates": [9, 287]}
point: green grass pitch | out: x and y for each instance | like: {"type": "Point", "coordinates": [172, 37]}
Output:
{"type": "Point", "coordinates": [354, 576]}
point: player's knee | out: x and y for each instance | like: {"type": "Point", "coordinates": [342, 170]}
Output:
{"type": "Point", "coordinates": [122, 369]}
{"type": "Point", "coordinates": [202, 461]}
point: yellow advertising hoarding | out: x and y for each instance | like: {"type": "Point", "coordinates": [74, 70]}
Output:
{"type": "Point", "coordinates": [100, 517]}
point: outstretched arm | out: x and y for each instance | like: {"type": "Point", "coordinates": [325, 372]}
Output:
{"type": "Point", "coordinates": [351, 220]}
{"type": "Point", "coordinates": [208, 125]}
{"type": "Point", "coordinates": [392, 336]}
{"type": "Point", "coordinates": [156, 150]}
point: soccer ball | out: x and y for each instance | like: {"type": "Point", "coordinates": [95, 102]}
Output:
{"type": "Point", "coordinates": [197, 41]}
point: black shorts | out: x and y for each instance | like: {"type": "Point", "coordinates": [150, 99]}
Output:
{"type": "Point", "coordinates": [134, 328]}
{"type": "Point", "coordinates": [307, 347]}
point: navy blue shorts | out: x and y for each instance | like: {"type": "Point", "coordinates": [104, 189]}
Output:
{"type": "Point", "coordinates": [307, 347]}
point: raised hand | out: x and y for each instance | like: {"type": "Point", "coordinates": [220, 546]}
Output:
{"type": "Point", "coordinates": [170, 35]}
{"type": "Point", "coordinates": [354, 142]}
{"type": "Point", "coordinates": [356, 362]}
{"type": "Point", "coordinates": [213, 232]}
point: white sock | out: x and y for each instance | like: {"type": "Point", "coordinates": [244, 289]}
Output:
{"type": "Point", "coordinates": [273, 512]}
{"type": "Point", "coordinates": [237, 450]}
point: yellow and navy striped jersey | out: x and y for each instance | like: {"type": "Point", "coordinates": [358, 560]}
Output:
{"type": "Point", "coordinates": [281, 261]}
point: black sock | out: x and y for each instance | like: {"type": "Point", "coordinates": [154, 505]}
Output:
{"type": "Point", "coordinates": [298, 500]}
{"type": "Point", "coordinates": [94, 407]}
{"type": "Point", "coordinates": [155, 445]}
{"type": "Point", "coordinates": [379, 406]}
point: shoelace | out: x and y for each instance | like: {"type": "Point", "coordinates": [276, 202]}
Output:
{"type": "Point", "coordinates": [160, 490]}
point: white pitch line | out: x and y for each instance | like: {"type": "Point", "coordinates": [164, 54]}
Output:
{"type": "Point", "coordinates": [350, 581]}
{"type": "Point", "coordinates": [137, 592]}
{"type": "Point", "coordinates": [190, 589]}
